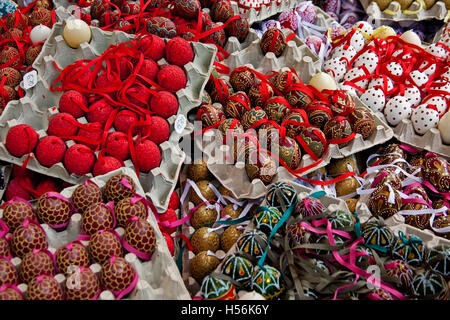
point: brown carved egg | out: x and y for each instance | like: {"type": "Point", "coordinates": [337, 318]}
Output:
{"type": "Point", "coordinates": [203, 217]}
{"type": "Point", "coordinates": [338, 128]}
{"type": "Point", "coordinates": [205, 190]}
{"type": "Point", "coordinates": [4, 248]}
{"type": "Point", "coordinates": [85, 195]}
{"type": "Point", "coordinates": [204, 240]}
{"type": "Point", "coordinates": [8, 273]}
{"type": "Point", "coordinates": [318, 114]}
{"type": "Point", "coordinates": [252, 117]}
{"type": "Point", "coordinates": [202, 265]}
{"type": "Point", "coordinates": [103, 245]}
{"type": "Point", "coordinates": [229, 237]}
{"type": "Point", "coordinates": [82, 284]}
{"type": "Point", "coordinates": [362, 121]}
{"type": "Point", "coordinates": [8, 293]}
{"type": "Point", "coordinates": [115, 190]}
{"type": "Point", "coordinates": [435, 170]}
{"type": "Point", "coordinates": [242, 79]}
{"type": "Point", "coordinates": [53, 209]}
{"type": "Point", "coordinates": [16, 212]}
{"type": "Point", "coordinates": [238, 103]}
{"type": "Point", "coordinates": [379, 202]}
{"type": "Point", "coordinates": [230, 210]}
{"type": "Point", "coordinates": [260, 93]}
{"type": "Point", "coordinates": [27, 237]}
{"type": "Point", "coordinates": [35, 263]}
{"type": "Point", "coordinates": [297, 96]}
{"type": "Point", "coordinates": [71, 254]}
{"type": "Point", "coordinates": [284, 79]}
{"type": "Point", "coordinates": [129, 207]}
{"type": "Point", "coordinates": [117, 274]}
{"type": "Point", "coordinates": [273, 40]}
{"type": "Point", "coordinates": [140, 235]}
{"type": "Point", "coordinates": [97, 217]}
{"type": "Point", "coordinates": [44, 287]}
{"type": "Point", "coordinates": [198, 170]}
{"type": "Point", "coordinates": [264, 168]}
{"type": "Point", "coordinates": [293, 128]}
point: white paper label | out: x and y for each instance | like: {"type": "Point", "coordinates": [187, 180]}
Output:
{"type": "Point", "coordinates": [30, 80]}
{"type": "Point", "coordinates": [180, 123]}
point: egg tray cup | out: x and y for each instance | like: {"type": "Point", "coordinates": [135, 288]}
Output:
{"type": "Point", "coordinates": [331, 203]}
{"type": "Point", "coordinates": [187, 230]}
{"type": "Point", "coordinates": [299, 57]}
{"type": "Point", "coordinates": [159, 278]}
{"type": "Point", "coordinates": [415, 12]}
{"type": "Point", "coordinates": [265, 12]}
{"type": "Point", "coordinates": [160, 182]}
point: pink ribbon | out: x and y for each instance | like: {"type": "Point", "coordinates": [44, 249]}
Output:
{"type": "Point", "coordinates": [143, 255]}
{"type": "Point", "coordinates": [432, 188]}
{"type": "Point", "coordinates": [379, 178]}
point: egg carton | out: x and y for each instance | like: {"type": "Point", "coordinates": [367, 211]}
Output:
{"type": "Point", "coordinates": [160, 182]}
{"type": "Point", "coordinates": [415, 12]}
{"type": "Point", "coordinates": [299, 57]}
{"type": "Point", "coordinates": [322, 23]}
{"type": "Point", "coordinates": [331, 203]}
{"type": "Point", "coordinates": [275, 7]}
{"type": "Point", "coordinates": [159, 278]}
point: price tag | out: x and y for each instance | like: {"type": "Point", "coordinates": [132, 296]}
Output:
{"type": "Point", "coordinates": [30, 80]}
{"type": "Point", "coordinates": [180, 123]}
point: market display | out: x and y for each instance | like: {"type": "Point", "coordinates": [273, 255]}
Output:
{"type": "Point", "coordinates": [224, 150]}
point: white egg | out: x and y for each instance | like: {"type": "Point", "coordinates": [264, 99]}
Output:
{"type": "Point", "coordinates": [411, 37]}
{"type": "Point", "coordinates": [76, 32]}
{"type": "Point", "coordinates": [444, 128]}
{"type": "Point", "coordinates": [322, 81]}
{"type": "Point", "coordinates": [39, 33]}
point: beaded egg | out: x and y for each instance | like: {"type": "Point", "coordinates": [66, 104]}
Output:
{"type": "Point", "coordinates": [140, 235]}
{"type": "Point", "coordinates": [35, 263]}
{"type": "Point", "coordinates": [338, 128]}
{"type": "Point", "coordinates": [82, 284]}
{"type": "Point", "coordinates": [229, 237]}
{"type": "Point", "coordinates": [289, 152]}
{"type": "Point", "coordinates": [251, 117]}
{"type": "Point", "coordinates": [44, 287]}
{"type": "Point", "coordinates": [238, 268]}
{"type": "Point", "coordinates": [117, 274]}
{"type": "Point", "coordinates": [8, 273]}
{"type": "Point", "coordinates": [268, 282]}
{"type": "Point", "coordinates": [293, 129]}
{"type": "Point", "coordinates": [53, 209]}
{"type": "Point", "coordinates": [409, 248]}
{"type": "Point", "coordinates": [318, 114]}
{"type": "Point", "coordinates": [116, 189]}
{"type": "Point", "coordinates": [214, 288]}
{"type": "Point", "coordinates": [297, 235]}
{"type": "Point", "coordinates": [253, 242]}
{"type": "Point", "coordinates": [281, 195]}
{"type": "Point", "coordinates": [362, 121]}
{"type": "Point", "coordinates": [238, 28]}
{"type": "Point", "coordinates": [266, 219]}
{"type": "Point", "coordinates": [16, 211]}
{"type": "Point", "coordinates": [377, 236]}
{"type": "Point", "coordinates": [309, 207]}
{"type": "Point", "coordinates": [187, 9]}
{"type": "Point", "coordinates": [421, 221]}
{"type": "Point", "coordinates": [276, 108]}
{"type": "Point", "coordinates": [314, 139]}
{"type": "Point", "coordinates": [71, 254]}
{"type": "Point", "coordinates": [438, 258]}
{"type": "Point", "coordinates": [27, 237]}
{"type": "Point", "coordinates": [104, 244]}
{"type": "Point", "coordinates": [260, 93]}
{"type": "Point", "coordinates": [129, 207]}
{"type": "Point", "coordinates": [401, 271]}
{"type": "Point", "coordinates": [238, 103]}
{"type": "Point", "coordinates": [273, 40]}
{"type": "Point", "coordinates": [85, 195]}
{"type": "Point", "coordinates": [264, 168]}
{"type": "Point", "coordinates": [202, 265]}
{"type": "Point", "coordinates": [340, 219]}
{"type": "Point", "coordinates": [162, 27]}
{"type": "Point", "coordinates": [385, 202]}
{"type": "Point", "coordinates": [97, 217]}
{"type": "Point", "coordinates": [204, 239]}
{"type": "Point", "coordinates": [284, 79]}
{"type": "Point", "coordinates": [429, 286]}
{"type": "Point", "coordinates": [242, 79]}
{"type": "Point", "coordinates": [210, 115]}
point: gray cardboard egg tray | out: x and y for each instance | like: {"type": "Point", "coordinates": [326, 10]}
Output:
{"type": "Point", "coordinates": [159, 278]}
{"type": "Point", "coordinates": [331, 203]}
{"type": "Point", "coordinates": [437, 11]}
{"type": "Point", "coordinates": [36, 106]}
{"type": "Point", "coordinates": [265, 12]}
{"type": "Point", "coordinates": [298, 56]}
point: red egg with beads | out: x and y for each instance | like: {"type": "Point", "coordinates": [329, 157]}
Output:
{"type": "Point", "coordinates": [35, 263]}
{"type": "Point", "coordinates": [119, 187]}
{"type": "Point", "coordinates": [71, 254]}
{"type": "Point", "coordinates": [27, 237]}
{"type": "Point", "coordinates": [85, 195]}
{"type": "Point", "coordinates": [117, 275]}
{"type": "Point", "coordinates": [82, 284]}
{"type": "Point", "coordinates": [44, 287]}
{"type": "Point", "coordinates": [104, 244]}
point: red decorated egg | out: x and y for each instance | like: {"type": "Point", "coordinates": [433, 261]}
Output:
{"type": "Point", "coordinates": [9, 292]}
{"type": "Point", "coordinates": [71, 254]}
{"type": "Point", "coordinates": [362, 121]}
{"type": "Point", "coordinates": [342, 103]}
{"type": "Point", "coordinates": [218, 36]}
{"type": "Point", "coordinates": [242, 79]}
{"type": "Point", "coordinates": [284, 79]}
{"type": "Point", "coordinates": [53, 209]}
{"type": "Point", "coordinates": [338, 128]}
{"type": "Point", "coordinates": [36, 263]}
{"type": "Point", "coordinates": [44, 287]}
{"type": "Point", "coordinates": [16, 212]}
{"type": "Point", "coordinates": [162, 27]}
{"type": "Point", "coordinates": [220, 90]}
{"type": "Point", "coordinates": [238, 28]}
{"type": "Point", "coordinates": [210, 115]}
{"type": "Point", "coordinates": [264, 168]}
{"type": "Point", "coordinates": [298, 96]}
{"type": "Point", "coordinates": [273, 40]}
{"type": "Point", "coordinates": [82, 284]}
{"type": "Point", "coordinates": [97, 217]}
{"type": "Point", "coordinates": [85, 195]}
{"type": "Point", "coordinates": [186, 8]}
{"type": "Point", "coordinates": [314, 139]}
{"type": "Point", "coordinates": [129, 207]}
{"type": "Point", "coordinates": [140, 235]}
{"type": "Point", "coordinates": [27, 237]}
{"type": "Point", "coordinates": [318, 114]}
{"type": "Point", "coordinates": [290, 152]}
{"type": "Point", "coordinates": [8, 273]}
{"type": "Point", "coordinates": [103, 245]}
{"type": "Point", "coordinates": [118, 188]}
{"type": "Point", "coordinates": [277, 108]}
{"type": "Point", "coordinates": [309, 207]}
{"type": "Point", "coordinates": [117, 274]}
{"type": "Point", "coordinates": [221, 11]}
{"type": "Point", "coordinates": [238, 103]}
{"type": "Point", "coordinates": [4, 248]}
{"type": "Point", "coordinates": [98, 8]}
{"type": "Point", "coordinates": [251, 118]}
{"type": "Point", "coordinates": [260, 93]}
{"type": "Point", "coordinates": [231, 127]}
{"type": "Point", "coordinates": [294, 128]}
{"type": "Point", "coordinates": [19, 21]}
